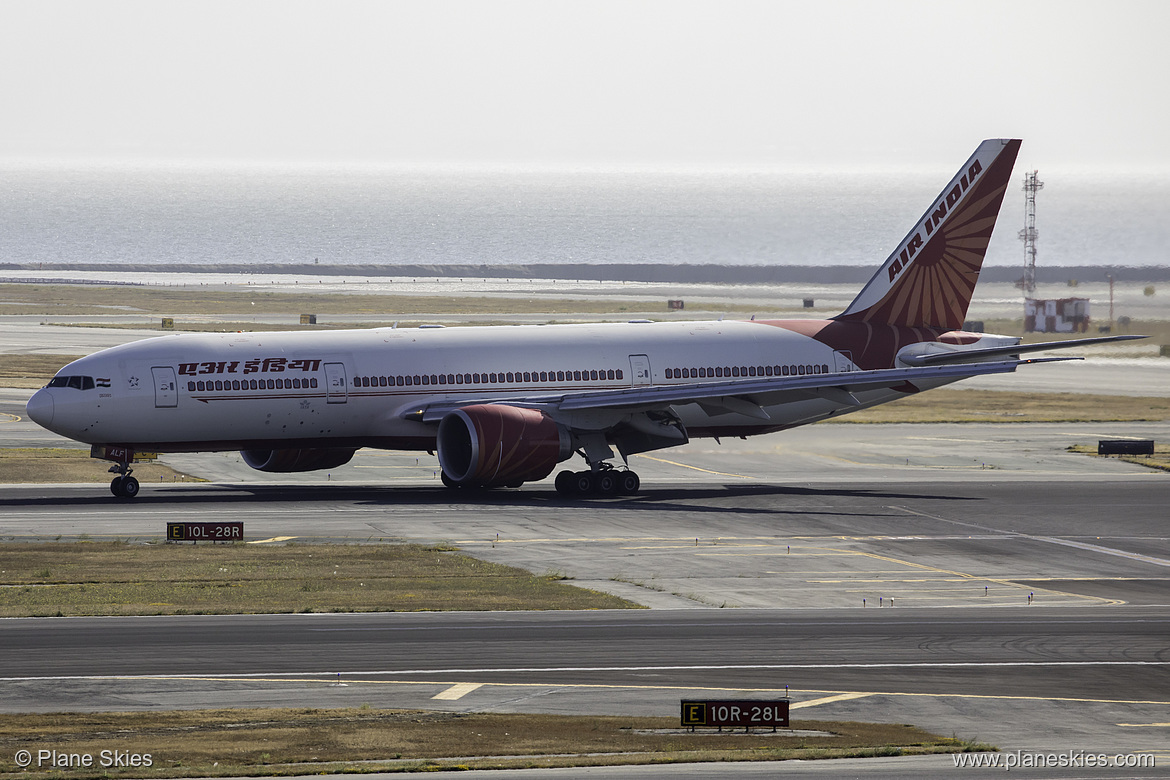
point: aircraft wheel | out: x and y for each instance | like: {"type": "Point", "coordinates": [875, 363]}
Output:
{"type": "Point", "coordinates": [129, 487]}
{"type": "Point", "coordinates": [606, 483]}
{"type": "Point", "coordinates": [566, 483]}
{"type": "Point", "coordinates": [583, 482]}
{"type": "Point", "coordinates": [628, 483]}
{"type": "Point", "coordinates": [116, 486]}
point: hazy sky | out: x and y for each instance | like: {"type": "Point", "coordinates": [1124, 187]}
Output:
{"type": "Point", "coordinates": [819, 83]}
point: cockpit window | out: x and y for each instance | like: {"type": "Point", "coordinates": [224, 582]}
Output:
{"type": "Point", "coordinates": [76, 382]}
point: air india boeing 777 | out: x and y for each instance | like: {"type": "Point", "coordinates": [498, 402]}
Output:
{"type": "Point", "coordinates": [504, 405]}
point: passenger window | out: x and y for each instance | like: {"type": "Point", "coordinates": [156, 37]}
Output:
{"type": "Point", "coordinates": [190, 387]}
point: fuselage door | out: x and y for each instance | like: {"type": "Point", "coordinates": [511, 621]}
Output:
{"type": "Point", "coordinates": [335, 387]}
{"type": "Point", "coordinates": [639, 370]}
{"type": "Point", "coordinates": [165, 391]}
{"type": "Point", "coordinates": [843, 361]}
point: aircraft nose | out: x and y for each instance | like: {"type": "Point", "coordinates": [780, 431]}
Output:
{"type": "Point", "coordinates": [40, 408]}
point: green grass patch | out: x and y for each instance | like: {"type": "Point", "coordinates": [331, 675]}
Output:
{"type": "Point", "coordinates": [273, 742]}
{"type": "Point", "coordinates": [957, 406]}
{"type": "Point", "coordinates": [117, 578]}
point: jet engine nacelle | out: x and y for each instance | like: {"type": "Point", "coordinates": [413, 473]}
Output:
{"type": "Point", "coordinates": [493, 445]}
{"type": "Point", "coordinates": [285, 461]}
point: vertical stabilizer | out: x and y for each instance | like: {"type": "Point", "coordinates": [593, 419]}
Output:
{"type": "Point", "coordinates": [928, 280]}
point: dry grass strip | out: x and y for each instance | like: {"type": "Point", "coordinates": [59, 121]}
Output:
{"type": "Point", "coordinates": [118, 578]}
{"type": "Point", "coordinates": [1159, 460]}
{"type": "Point", "coordinates": [29, 465]}
{"type": "Point", "coordinates": [212, 743]}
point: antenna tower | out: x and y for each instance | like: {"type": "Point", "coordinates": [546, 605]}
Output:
{"type": "Point", "coordinates": [1028, 234]}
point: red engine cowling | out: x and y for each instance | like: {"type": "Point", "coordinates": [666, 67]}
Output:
{"type": "Point", "coordinates": [490, 445]}
{"type": "Point", "coordinates": [285, 461]}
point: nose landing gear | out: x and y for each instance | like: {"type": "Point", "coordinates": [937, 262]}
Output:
{"type": "Point", "coordinates": [123, 485]}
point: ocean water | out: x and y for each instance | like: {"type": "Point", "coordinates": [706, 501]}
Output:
{"type": "Point", "coordinates": [208, 215]}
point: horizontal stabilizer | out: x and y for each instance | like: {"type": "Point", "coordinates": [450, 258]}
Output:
{"type": "Point", "coordinates": [966, 355]}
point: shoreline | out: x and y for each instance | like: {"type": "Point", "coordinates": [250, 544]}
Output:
{"type": "Point", "coordinates": [631, 272]}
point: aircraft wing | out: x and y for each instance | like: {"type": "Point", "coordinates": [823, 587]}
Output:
{"type": "Point", "coordinates": [742, 396]}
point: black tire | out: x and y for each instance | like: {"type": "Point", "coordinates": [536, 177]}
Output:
{"type": "Point", "coordinates": [583, 482]}
{"type": "Point", "coordinates": [628, 483]}
{"type": "Point", "coordinates": [566, 483]}
{"type": "Point", "coordinates": [129, 487]}
{"type": "Point", "coordinates": [116, 486]}
{"type": "Point", "coordinates": [606, 483]}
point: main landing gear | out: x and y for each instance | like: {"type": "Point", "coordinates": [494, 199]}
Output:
{"type": "Point", "coordinates": [603, 482]}
{"type": "Point", "coordinates": [123, 485]}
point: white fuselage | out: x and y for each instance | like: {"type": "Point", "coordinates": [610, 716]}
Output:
{"type": "Point", "coordinates": [357, 387]}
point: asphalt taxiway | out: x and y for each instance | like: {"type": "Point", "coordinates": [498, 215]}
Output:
{"type": "Point", "coordinates": [1025, 607]}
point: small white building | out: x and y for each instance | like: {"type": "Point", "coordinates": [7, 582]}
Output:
{"type": "Point", "coordinates": [1056, 315]}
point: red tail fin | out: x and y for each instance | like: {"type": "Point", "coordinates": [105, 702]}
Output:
{"type": "Point", "coordinates": [928, 280]}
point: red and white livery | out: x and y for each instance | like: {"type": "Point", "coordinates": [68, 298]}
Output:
{"type": "Point", "coordinates": [504, 405]}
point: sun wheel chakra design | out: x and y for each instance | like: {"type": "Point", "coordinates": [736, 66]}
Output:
{"type": "Point", "coordinates": [935, 289]}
